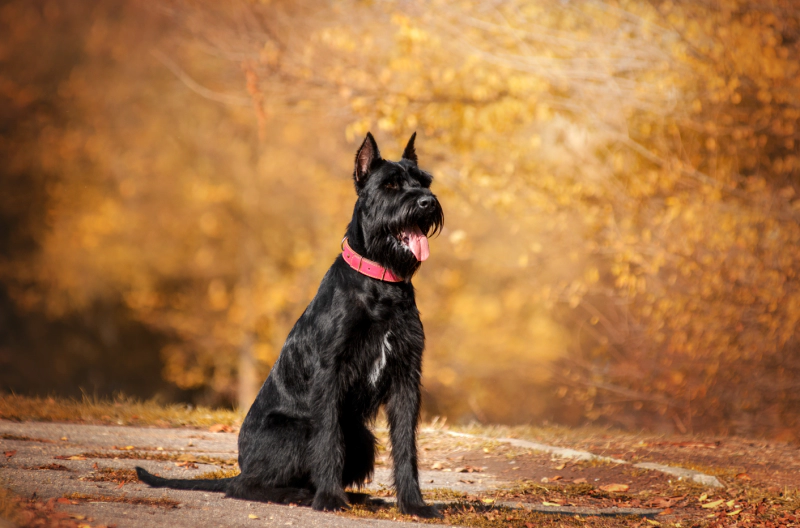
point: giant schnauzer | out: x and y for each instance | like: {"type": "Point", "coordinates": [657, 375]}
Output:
{"type": "Point", "coordinates": [357, 346]}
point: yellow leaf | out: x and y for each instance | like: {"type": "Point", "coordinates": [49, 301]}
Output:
{"type": "Point", "coordinates": [713, 504]}
{"type": "Point", "coordinates": [654, 523]}
{"type": "Point", "coordinates": [252, 516]}
{"type": "Point", "coordinates": [615, 487]}
{"type": "Point", "coordinates": [737, 511]}
{"type": "Point", "coordinates": [487, 501]}
{"type": "Point", "coordinates": [545, 503]}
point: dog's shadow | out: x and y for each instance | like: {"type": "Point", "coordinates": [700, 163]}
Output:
{"type": "Point", "coordinates": [356, 499]}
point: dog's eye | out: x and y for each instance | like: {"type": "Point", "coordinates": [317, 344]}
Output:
{"type": "Point", "coordinates": [392, 185]}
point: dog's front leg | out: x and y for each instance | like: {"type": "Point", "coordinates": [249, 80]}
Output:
{"type": "Point", "coordinates": [403, 413]}
{"type": "Point", "coordinates": [327, 442]}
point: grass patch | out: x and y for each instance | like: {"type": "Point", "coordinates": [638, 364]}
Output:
{"type": "Point", "coordinates": [120, 476]}
{"type": "Point", "coordinates": [475, 513]}
{"type": "Point", "coordinates": [218, 474]}
{"type": "Point", "coordinates": [161, 502]}
{"type": "Point", "coordinates": [443, 494]}
{"type": "Point", "coordinates": [7, 436]}
{"type": "Point", "coordinates": [120, 411]}
{"type": "Point", "coordinates": [161, 457]}
{"type": "Point", "coordinates": [50, 467]}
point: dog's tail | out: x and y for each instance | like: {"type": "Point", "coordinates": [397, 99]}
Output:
{"type": "Point", "coordinates": [183, 484]}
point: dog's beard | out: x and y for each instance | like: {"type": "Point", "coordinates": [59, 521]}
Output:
{"type": "Point", "coordinates": [396, 234]}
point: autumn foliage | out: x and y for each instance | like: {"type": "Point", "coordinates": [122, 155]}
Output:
{"type": "Point", "coordinates": [620, 180]}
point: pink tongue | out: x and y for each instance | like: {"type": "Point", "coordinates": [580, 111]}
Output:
{"type": "Point", "coordinates": [418, 244]}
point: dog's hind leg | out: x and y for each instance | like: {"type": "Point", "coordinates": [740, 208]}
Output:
{"type": "Point", "coordinates": [274, 460]}
{"type": "Point", "coordinates": [275, 453]}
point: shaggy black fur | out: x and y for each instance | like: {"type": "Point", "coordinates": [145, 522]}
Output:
{"type": "Point", "coordinates": [356, 347]}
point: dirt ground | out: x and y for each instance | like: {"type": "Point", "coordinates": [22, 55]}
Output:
{"type": "Point", "coordinates": [67, 474]}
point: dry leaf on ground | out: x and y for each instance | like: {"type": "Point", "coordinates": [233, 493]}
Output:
{"type": "Point", "coordinates": [615, 487]}
{"type": "Point", "coordinates": [220, 428]}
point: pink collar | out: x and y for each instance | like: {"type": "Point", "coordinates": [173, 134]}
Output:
{"type": "Point", "coordinates": [366, 266]}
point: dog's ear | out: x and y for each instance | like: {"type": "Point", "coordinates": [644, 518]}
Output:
{"type": "Point", "coordinates": [409, 153]}
{"type": "Point", "coordinates": [366, 157]}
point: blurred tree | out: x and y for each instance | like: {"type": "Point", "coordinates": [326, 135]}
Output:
{"type": "Point", "coordinates": [643, 156]}
{"type": "Point", "coordinates": [619, 176]}
{"type": "Point", "coordinates": [197, 226]}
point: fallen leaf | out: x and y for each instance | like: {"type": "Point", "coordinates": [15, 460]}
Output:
{"type": "Point", "coordinates": [730, 503]}
{"type": "Point", "coordinates": [560, 467]}
{"type": "Point", "coordinates": [11, 453]}
{"type": "Point", "coordinates": [615, 487]}
{"type": "Point", "coordinates": [77, 516]}
{"type": "Point", "coordinates": [251, 516]}
{"type": "Point", "coordinates": [654, 523]}
{"type": "Point", "coordinates": [54, 467]}
{"type": "Point", "coordinates": [62, 500]}
{"type": "Point", "coordinates": [703, 497]}
{"type": "Point", "coordinates": [737, 511]}
{"type": "Point", "coordinates": [72, 457]}
{"type": "Point", "coordinates": [220, 428]}
{"type": "Point", "coordinates": [665, 512]}
{"type": "Point", "coordinates": [487, 501]}
{"type": "Point", "coordinates": [661, 502]}
{"type": "Point", "coordinates": [579, 481]}
{"type": "Point", "coordinates": [743, 476]}
{"type": "Point", "coordinates": [545, 503]}
{"type": "Point", "coordinates": [557, 477]}
{"type": "Point", "coordinates": [710, 445]}
{"type": "Point", "coordinates": [437, 465]}
{"type": "Point", "coordinates": [712, 504]}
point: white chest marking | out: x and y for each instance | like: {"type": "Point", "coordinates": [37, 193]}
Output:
{"type": "Point", "coordinates": [380, 363]}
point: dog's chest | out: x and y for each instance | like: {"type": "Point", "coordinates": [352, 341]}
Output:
{"type": "Point", "coordinates": [379, 365]}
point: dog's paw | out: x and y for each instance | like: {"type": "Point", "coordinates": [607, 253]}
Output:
{"type": "Point", "coordinates": [423, 511]}
{"type": "Point", "coordinates": [329, 502]}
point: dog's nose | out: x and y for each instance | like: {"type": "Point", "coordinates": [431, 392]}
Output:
{"type": "Point", "coordinates": [425, 201]}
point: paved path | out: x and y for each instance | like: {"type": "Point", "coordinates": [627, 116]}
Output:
{"type": "Point", "coordinates": [65, 461]}
{"type": "Point", "coordinates": [37, 445]}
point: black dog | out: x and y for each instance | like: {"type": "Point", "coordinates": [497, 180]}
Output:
{"type": "Point", "coordinates": [357, 346]}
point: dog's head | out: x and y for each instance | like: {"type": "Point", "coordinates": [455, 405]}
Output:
{"type": "Point", "coordinates": [396, 210]}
